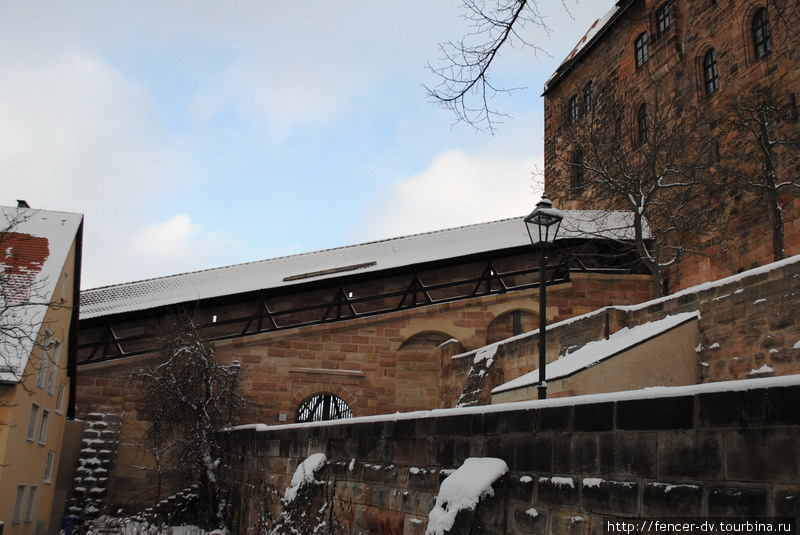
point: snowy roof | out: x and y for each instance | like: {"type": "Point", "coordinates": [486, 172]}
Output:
{"type": "Point", "coordinates": [595, 31]}
{"type": "Point", "coordinates": [594, 352]}
{"type": "Point", "coordinates": [331, 263]}
{"type": "Point", "coordinates": [35, 245]}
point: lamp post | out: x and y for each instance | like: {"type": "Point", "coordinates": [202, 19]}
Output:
{"type": "Point", "coordinates": [543, 224]}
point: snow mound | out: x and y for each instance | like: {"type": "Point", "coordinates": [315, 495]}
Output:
{"type": "Point", "coordinates": [463, 489]}
{"type": "Point", "coordinates": [304, 475]}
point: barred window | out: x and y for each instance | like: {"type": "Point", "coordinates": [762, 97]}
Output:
{"type": "Point", "coordinates": [640, 50]}
{"type": "Point", "coordinates": [762, 35]}
{"type": "Point", "coordinates": [321, 407]}
{"type": "Point", "coordinates": [572, 109]}
{"type": "Point", "coordinates": [663, 19]}
{"type": "Point", "coordinates": [710, 71]}
{"type": "Point", "coordinates": [588, 98]}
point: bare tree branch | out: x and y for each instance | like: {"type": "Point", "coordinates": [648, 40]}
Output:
{"type": "Point", "coordinates": [465, 87]}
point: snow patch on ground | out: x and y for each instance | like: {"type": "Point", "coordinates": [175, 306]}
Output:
{"type": "Point", "coordinates": [762, 369]}
{"type": "Point", "coordinates": [304, 475]}
{"type": "Point", "coordinates": [462, 490]}
{"type": "Point", "coordinates": [592, 482]}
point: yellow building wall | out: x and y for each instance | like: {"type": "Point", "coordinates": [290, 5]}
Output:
{"type": "Point", "coordinates": [23, 461]}
{"type": "Point", "coordinates": [668, 359]}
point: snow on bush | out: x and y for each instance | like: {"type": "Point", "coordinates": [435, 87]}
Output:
{"type": "Point", "coordinates": [463, 489]}
{"type": "Point", "coordinates": [304, 475]}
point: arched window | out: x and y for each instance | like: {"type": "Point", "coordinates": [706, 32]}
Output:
{"type": "Point", "coordinates": [762, 35]}
{"type": "Point", "coordinates": [572, 109]}
{"type": "Point", "coordinates": [641, 123]}
{"type": "Point", "coordinates": [710, 71]}
{"type": "Point", "coordinates": [321, 407]}
{"type": "Point", "coordinates": [640, 53]}
{"type": "Point", "coordinates": [588, 98]}
{"type": "Point", "coordinates": [663, 18]}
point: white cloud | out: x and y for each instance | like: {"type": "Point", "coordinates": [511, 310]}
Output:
{"type": "Point", "coordinates": [176, 245]}
{"type": "Point", "coordinates": [458, 188]}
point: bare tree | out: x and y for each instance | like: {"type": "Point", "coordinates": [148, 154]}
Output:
{"type": "Point", "coordinates": [654, 161]}
{"type": "Point", "coordinates": [766, 156]}
{"type": "Point", "coordinates": [465, 87]}
{"type": "Point", "coordinates": [190, 399]}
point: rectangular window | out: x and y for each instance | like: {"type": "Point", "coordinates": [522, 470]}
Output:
{"type": "Point", "coordinates": [42, 371]}
{"type": "Point", "coordinates": [48, 467]}
{"type": "Point", "coordinates": [31, 503]}
{"type": "Point", "coordinates": [43, 429]}
{"type": "Point", "coordinates": [60, 398]}
{"type": "Point", "coordinates": [51, 383]}
{"type": "Point", "coordinates": [663, 19]}
{"type": "Point", "coordinates": [640, 50]}
{"type": "Point", "coordinates": [18, 504]}
{"type": "Point", "coordinates": [32, 421]}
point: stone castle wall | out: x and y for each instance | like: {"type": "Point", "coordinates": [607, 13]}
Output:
{"type": "Point", "coordinates": [737, 235]}
{"type": "Point", "coordinates": [692, 452]}
{"type": "Point", "coordinates": [377, 365]}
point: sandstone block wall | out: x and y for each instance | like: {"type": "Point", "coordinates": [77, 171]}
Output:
{"type": "Point", "coordinates": [382, 364]}
{"type": "Point", "coordinates": [573, 461]}
{"type": "Point", "coordinates": [738, 234]}
{"type": "Point", "coordinates": [749, 327]}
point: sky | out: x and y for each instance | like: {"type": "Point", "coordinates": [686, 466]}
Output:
{"type": "Point", "coordinates": [198, 134]}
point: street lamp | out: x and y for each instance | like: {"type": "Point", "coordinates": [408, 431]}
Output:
{"type": "Point", "coordinates": [542, 225]}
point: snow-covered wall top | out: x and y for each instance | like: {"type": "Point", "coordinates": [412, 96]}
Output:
{"type": "Point", "coordinates": [594, 352]}
{"type": "Point", "coordinates": [332, 263]}
{"type": "Point", "coordinates": [35, 245]}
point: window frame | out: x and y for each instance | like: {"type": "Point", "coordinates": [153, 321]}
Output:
{"type": "Point", "coordinates": [640, 50]}
{"type": "Point", "coordinates": [43, 428]}
{"type": "Point", "coordinates": [44, 360]}
{"type": "Point", "coordinates": [56, 361]}
{"type": "Point", "coordinates": [31, 504]}
{"type": "Point", "coordinates": [32, 420]}
{"type": "Point", "coordinates": [323, 404]}
{"type": "Point", "coordinates": [761, 33]}
{"type": "Point", "coordinates": [48, 466]}
{"type": "Point", "coordinates": [19, 500]}
{"type": "Point", "coordinates": [588, 97]}
{"type": "Point", "coordinates": [663, 18]}
{"type": "Point", "coordinates": [62, 386]}
{"type": "Point", "coordinates": [710, 72]}
{"type": "Point", "coordinates": [573, 113]}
